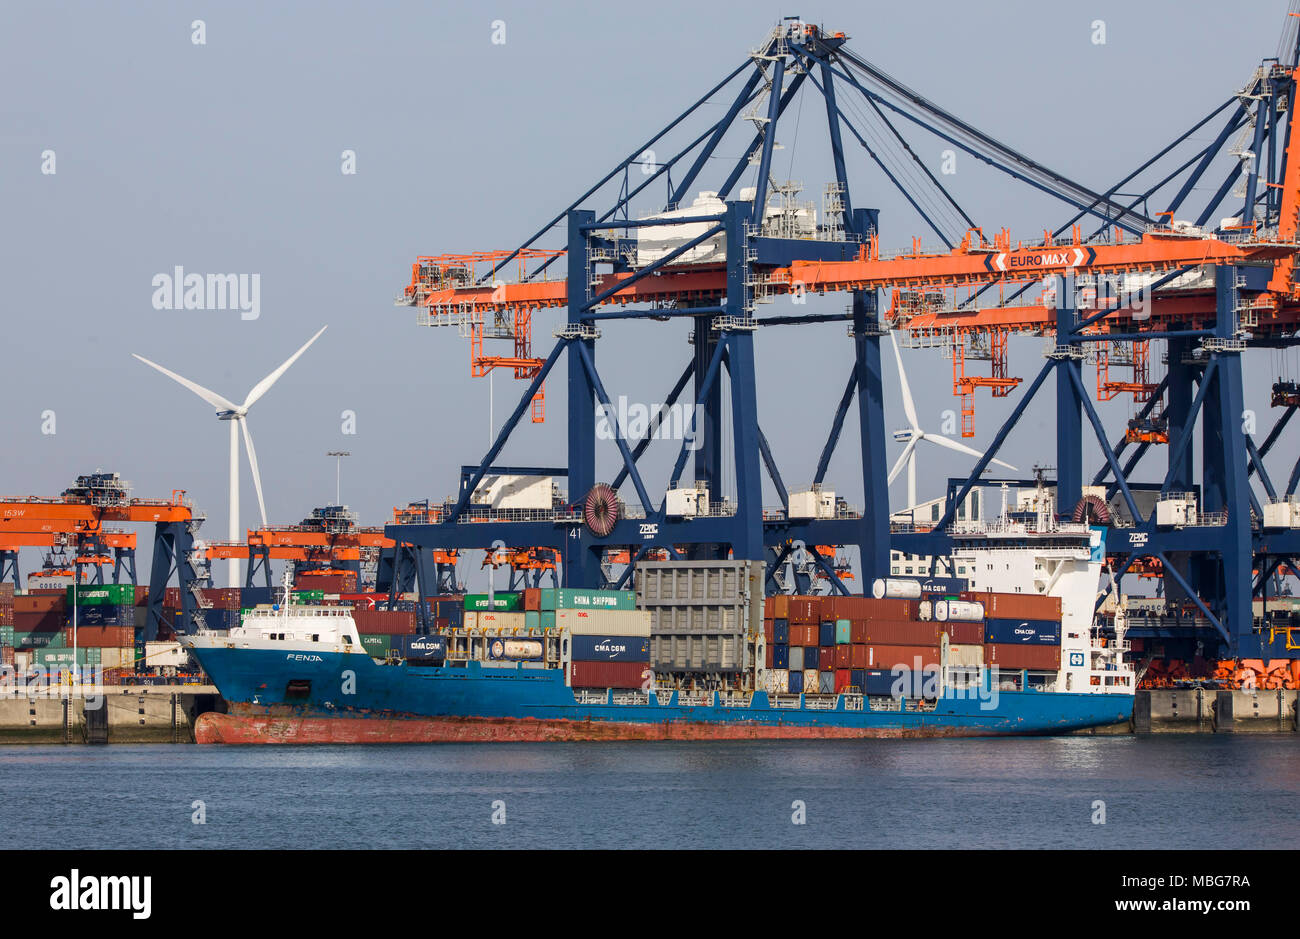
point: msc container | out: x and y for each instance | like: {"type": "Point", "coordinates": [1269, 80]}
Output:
{"type": "Point", "coordinates": [1037, 657]}
{"type": "Point", "coordinates": [794, 683]}
{"type": "Point", "coordinates": [501, 602]}
{"type": "Point", "coordinates": [798, 659]}
{"type": "Point", "coordinates": [964, 633]}
{"type": "Point", "coordinates": [609, 649]}
{"type": "Point", "coordinates": [516, 648]}
{"type": "Point", "coordinates": [609, 674]}
{"type": "Point", "coordinates": [1018, 605]}
{"type": "Point", "coordinates": [780, 655]}
{"type": "Point", "coordinates": [567, 598]}
{"type": "Point", "coordinates": [601, 622]}
{"type": "Point", "coordinates": [1022, 631]}
{"type": "Point", "coordinates": [961, 611]}
{"type": "Point", "coordinates": [843, 632]}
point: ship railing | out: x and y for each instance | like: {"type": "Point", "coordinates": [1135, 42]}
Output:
{"type": "Point", "coordinates": [854, 702]}
{"type": "Point", "coordinates": [820, 702]}
{"type": "Point", "coordinates": [695, 700]}
{"type": "Point", "coordinates": [631, 698]}
{"type": "Point", "coordinates": [591, 697]}
{"type": "Point", "coordinates": [786, 700]}
{"type": "Point", "coordinates": [734, 699]}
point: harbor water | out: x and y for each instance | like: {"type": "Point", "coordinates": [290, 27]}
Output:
{"type": "Point", "coordinates": [1068, 792]}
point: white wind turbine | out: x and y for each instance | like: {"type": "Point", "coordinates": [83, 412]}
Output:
{"type": "Point", "coordinates": [914, 435]}
{"type": "Point", "coordinates": [236, 414]}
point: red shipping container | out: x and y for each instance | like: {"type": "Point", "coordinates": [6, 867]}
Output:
{"type": "Point", "coordinates": [608, 674]}
{"type": "Point", "coordinates": [858, 657]}
{"type": "Point", "coordinates": [532, 598]}
{"type": "Point", "coordinates": [843, 678]}
{"type": "Point", "coordinates": [48, 622]}
{"type": "Point", "coordinates": [142, 595]}
{"type": "Point", "coordinates": [1038, 658]}
{"type": "Point", "coordinates": [172, 597]}
{"type": "Point", "coordinates": [769, 657]}
{"type": "Point", "coordinates": [888, 656]}
{"type": "Point", "coordinates": [780, 606]}
{"type": "Point", "coordinates": [769, 632]}
{"type": "Point", "coordinates": [964, 634]}
{"type": "Point", "coordinates": [804, 610]}
{"type": "Point", "coordinates": [843, 656]}
{"type": "Point", "coordinates": [826, 657]}
{"type": "Point", "coordinates": [90, 637]}
{"type": "Point", "coordinates": [902, 633]}
{"type": "Point", "coordinates": [858, 630]}
{"type": "Point", "coordinates": [364, 601]}
{"type": "Point", "coordinates": [40, 603]}
{"type": "Point", "coordinates": [1017, 605]}
{"type": "Point", "coordinates": [386, 622]}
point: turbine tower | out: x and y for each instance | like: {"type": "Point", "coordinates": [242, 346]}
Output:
{"type": "Point", "coordinates": [237, 415]}
{"type": "Point", "coordinates": [914, 435]}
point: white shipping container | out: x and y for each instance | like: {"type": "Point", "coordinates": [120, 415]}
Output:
{"type": "Point", "coordinates": [114, 657]}
{"type": "Point", "coordinates": [776, 681]}
{"type": "Point", "coordinates": [601, 622]}
{"type": "Point", "coordinates": [965, 655]}
{"type": "Point", "coordinates": [514, 492]}
{"type": "Point", "coordinates": [495, 621]}
{"type": "Point", "coordinates": [158, 654]}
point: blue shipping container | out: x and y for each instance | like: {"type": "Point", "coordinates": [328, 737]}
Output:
{"type": "Point", "coordinates": [781, 630]}
{"type": "Point", "coordinates": [826, 634]}
{"type": "Point", "coordinates": [780, 655]}
{"type": "Point", "coordinates": [810, 656]}
{"type": "Point", "coordinates": [1032, 632]}
{"type": "Point", "coordinates": [424, 648]}
{"type": "Point", "coordinates": [796, 683]}
{"type": "Point", "coordinates": [610, 649]}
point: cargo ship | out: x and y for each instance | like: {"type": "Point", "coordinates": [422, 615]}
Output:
{"type": "Point", "coordinates": [1009, 649]}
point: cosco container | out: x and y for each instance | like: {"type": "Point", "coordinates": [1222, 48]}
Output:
{"type": "Point", "coordinates": [609, 649]}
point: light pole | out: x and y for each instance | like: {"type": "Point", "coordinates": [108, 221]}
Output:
{"type": "Point", "coordinates": [338, 472]}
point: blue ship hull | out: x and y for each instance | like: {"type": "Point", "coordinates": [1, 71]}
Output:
{"type": "Point", "coordinates": [309, 697]}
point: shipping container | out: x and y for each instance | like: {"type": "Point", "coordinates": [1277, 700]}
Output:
{"type": "Point", "coordinates": [386, 622]}
{"type": "Point", "coordinates": [428, 649]}
{"type": "Point", "coordinates": [39, 603]}
{"type": "Point", "coordinates": [609, 674]}
{"type": "Point", "coordinates": [1017, 605]}
{"type": "Point", "coordinates": [39, 639]}
{"type": "Point", "coordinates": [958, 611]}
{"type": "Point", "coordinates": [602, 622]}
{"type": "Point", "coordinates": [794, 682]}
{"type": "Point", "coordinates": [376, 644]}
{"type": "Point", "coordinates": [1036, 657]}
{"type": "Point", "coordinates": [516, 649]}
{"type": "Point", "coordinates": [889, 656]}
{"type": "Point", "coordinates": [501, 602]}
{"type": "Point", "coordinates": [780, 630]}
{"type": "Point", "coordinates": [776, 681]}
{"type": "Point", "coordinates": [843, 632]}
{"type": "Point", "coordinates": [843, 656]}
{"type": "Point", "coordinates": [1022, 631]}
{"type": "Point", "coordinates": [102, 615]}
{"type": "Point", "coordinates": [798, 660]}
{"type": "Point", "coordinates": [826, 633]}
{"type": "Point", "coordinates": [843, 679]}
{"type": "Point", "coordinates": [533, 619]}
{"type": "Point", "coordinates": [966, 655]}
{"type": "Point", "coordinates": [902, 632]}
{"type": "Point", "coordinates": [96, 594]}
{"type": "Point", "coordinates": [811, 657]}
{"type": "Point", "coordinates": [566, 598]}
{"type": "Point", "coordinates": [498, 621]}
{"type": "Point", "coordinates": [609, 649]}
{"type": "Point", "coordinates": [804, 610]}
{"type": "Point", "coordinates": [100, 635]}
{"type": "Point", "coordinates": [966, 634]}
{"type": "Point", "coordinates": [826, 681]}
{"type": "Point", "coordinates": [161, 654]}
{"type": "Point", "coordinates": [780, 655]}
{"type": "Point", "coordinates": [532, 599]}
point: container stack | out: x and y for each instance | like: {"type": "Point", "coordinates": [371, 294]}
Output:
{"type": "Point", "coordinates": [705, 616]}
{"type": "Point", "coordinates": [326, 582]}
{"type": "Point", "coordinates": [609, 661]}
{"type": "Point", "coordinates": [832, 644]}
{"type": "Point", "coordinates": [6, 624]}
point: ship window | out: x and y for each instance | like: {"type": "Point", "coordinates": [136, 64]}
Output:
{"type": "Point", "coordinates": [315, 637]}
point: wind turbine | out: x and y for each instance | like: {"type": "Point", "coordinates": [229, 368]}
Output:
{"type": "Point", "coordinates": [913, 435]}
{"type": "Point", "coordinates": [236, 414]}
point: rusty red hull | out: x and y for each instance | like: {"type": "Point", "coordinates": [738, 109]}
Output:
{"type": "Point", "coordinates": [234, 729]}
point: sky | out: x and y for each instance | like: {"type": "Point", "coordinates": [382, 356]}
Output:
{"type": "Point", "coordinates": [227, 156]}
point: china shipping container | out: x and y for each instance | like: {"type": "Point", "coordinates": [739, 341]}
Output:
{"type": "Point", "coordinates": [567, 598]}
{"type": "Point", "coordinates": [608, 674]}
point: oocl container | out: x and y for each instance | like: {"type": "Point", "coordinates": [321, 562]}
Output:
{"type": "Point", "coordinates": [599, 622]}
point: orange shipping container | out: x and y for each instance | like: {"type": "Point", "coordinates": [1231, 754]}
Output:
{"type": "Point", "coordinates": [889, 656]}
{"type": "Point", "coordinates": [868, 608]}
{"type": "Point", "coordinates": [1038, 658]}
{"type": "Point", "coordinates": [1017, 605]}
{"type": "Point", "coordinates": [902, 633]}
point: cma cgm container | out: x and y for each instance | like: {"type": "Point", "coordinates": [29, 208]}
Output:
{"type": "Point", "coordinates": [1033, 632]}
{"type": "Point", "coordinates": [609, 649]}
{"type": "Point", "coordinates": [609, 674]}
{"type": "Point", "coordinates": [424, 649]}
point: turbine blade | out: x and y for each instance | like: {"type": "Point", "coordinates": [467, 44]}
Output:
{"type": "Point", "coordinates": [962, 448]}
{"type": "Point", "coordinates": [909, 408]}
{"type": "Point", "coordinates": [214, 399]}
{"type": "Point", "coordinates": [265, 384]}
{"type": "Point", "coordinates": [252, 464]}
{"type": "Point", "coordinates": [902, 460]}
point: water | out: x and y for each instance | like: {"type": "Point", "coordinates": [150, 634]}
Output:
{"type": "Point", "coordinates": [1183, 791]}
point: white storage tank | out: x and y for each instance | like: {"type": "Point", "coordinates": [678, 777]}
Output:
{"type": "Point", "coordinates": [895, 589]}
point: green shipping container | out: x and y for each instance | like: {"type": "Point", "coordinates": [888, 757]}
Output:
{"type": "Point", "coordinates": [532, 618]}
{"type": "Point", "coordinates": [843, 632]}
{"type": "Point", "coordinates": [378, 645]}
{"type": "Point", "coordinates": [548, 619]}
{"type": "Point", "coordinates": [48, 657]}
{"type": "Point", "coordinates": [501, 602]}
{"type": "Point", "coordinates": [567, 598]}
{"type": "Point", "coordinates": [41, 640]}
{"type": "Point", "coordinates": [102, 595]}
